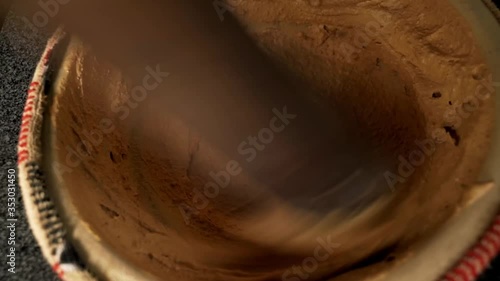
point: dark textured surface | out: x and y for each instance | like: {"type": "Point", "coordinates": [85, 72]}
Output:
{"type": "Point", "coordinates": [20, 50]}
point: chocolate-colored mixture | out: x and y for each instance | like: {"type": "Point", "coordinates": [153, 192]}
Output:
{"type": "Point", "coordinates": [407, 73]}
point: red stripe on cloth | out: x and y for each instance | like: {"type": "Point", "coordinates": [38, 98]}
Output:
{"type": "Point", "coordinates": [21, 160]}
{"type": "Point", "coordinates": [47, 56]}
{"type": "Point", "coordinates": [460, 271]}
{"type": "Point", "coordinates": [485, 249]}
{"type": "Point", "coordinates": [490, 238]}
{"type": "Point", "coordinates": [22, 156]}
{"type": "Point", "coordinates": [26, 117]}
{"type": "Point", "coordinates": [474, 254]}
{"type": "Point", "coordinates": [57, 269]}
{"type": "Point", "coordinates": [469, 264]}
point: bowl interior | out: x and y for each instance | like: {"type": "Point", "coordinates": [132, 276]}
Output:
{"type": "Point", "coordinates": [404, 73]}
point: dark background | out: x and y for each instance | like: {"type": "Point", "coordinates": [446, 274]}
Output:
{"type": "Point", "coordinates": [20, 50]}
